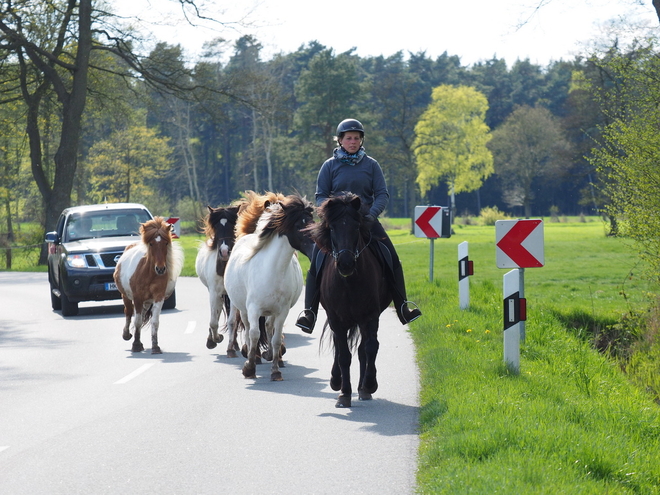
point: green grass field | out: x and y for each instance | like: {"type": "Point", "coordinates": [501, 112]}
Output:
{"type": "Point", "coordinates": [571, 421]}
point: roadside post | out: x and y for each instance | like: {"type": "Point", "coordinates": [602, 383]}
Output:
{"type": "Point", "coordinates": [519, 246]}
{"type": "Point", "coordinates": [432, 222]}
{"type": "Point", "coordinates": [465, 269]}
{"type": "Point", "coordinates": [176, 226]}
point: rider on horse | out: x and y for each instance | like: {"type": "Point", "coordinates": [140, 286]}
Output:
{"type": "Point", "coordinates": [351, 169]}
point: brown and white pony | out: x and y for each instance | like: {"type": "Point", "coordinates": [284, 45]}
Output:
{"type": "Point", "coordinates": [146, 274]}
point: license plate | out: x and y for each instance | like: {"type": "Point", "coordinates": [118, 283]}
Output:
{"type": "Point", "coordinates": [111, 286]}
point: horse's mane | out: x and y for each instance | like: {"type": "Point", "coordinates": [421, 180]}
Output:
{"type": "Point", "coordinates": [346, 203]}
{"type": "Point", "coordinates": [215, 215]}
{"type": "Point", "coordinates": [251, 208]}
{"type": "Point", "coordinates": [280, 218]}
{"type": "Point", "coordinates": [159, 227]}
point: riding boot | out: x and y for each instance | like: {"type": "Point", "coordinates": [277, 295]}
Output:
{"type": "Point", "coordinates": [399, 296]}
{"type": "Point", "coordinates": [307, 317]}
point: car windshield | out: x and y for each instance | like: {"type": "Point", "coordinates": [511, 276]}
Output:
{"type": "Point", "coordinates": [105, 223]}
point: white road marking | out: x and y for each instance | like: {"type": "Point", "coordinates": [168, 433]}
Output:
{"type": "Point", "coordinates": [3, 447]}
{"type": "Point", "coordinates": [137, 372]}
{"type": "Point", "coordinates": [190, 328]}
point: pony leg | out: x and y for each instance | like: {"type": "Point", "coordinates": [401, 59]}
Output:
{"type": "Point", "coordinates": [368, 383]}
{"type": "Point", "coordinates": [232, 328]}
{"type": "Point", "coordinates": [155, 320]}
{"type": "Point", "coordinates": [139, 319]}
{"type": "Point", "coordinates": [128, 312]}
{"type": "Point", "coordinates": [253, 332]}
{"type": "Point", "coordinates": [276, 347]}
{"type": "Point", "coordinates": [216, 308]}
{"type": "Point", "coordinates": [344, 359]}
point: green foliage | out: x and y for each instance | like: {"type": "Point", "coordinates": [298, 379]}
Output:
{"type": "Point", "coordinates": [630, 155]}
{"type": "Point", "coordinates": [488, 215]}
{"type": "Point", "coordinates": [528, 145]}
{"type": "Point", "coordinates": [127, 166]}
{"type": "Point", "coordinates": [451, 138]}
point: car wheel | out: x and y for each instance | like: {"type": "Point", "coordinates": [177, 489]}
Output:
{"type": "Point", "coordinates": [69, 308]}
{"type": "Point", "coordinates": [170, 302]}
{"type": "Point", "coordinates": [55, 301]}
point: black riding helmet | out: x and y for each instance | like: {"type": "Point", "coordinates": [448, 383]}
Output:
{"type": "Point", "coordinates": [347, 125]}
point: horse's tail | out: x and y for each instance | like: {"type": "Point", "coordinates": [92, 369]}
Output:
{"type": "Point", "coordinates": [353, 337]}
{"type": "Point", "coordinates": [226, 306]}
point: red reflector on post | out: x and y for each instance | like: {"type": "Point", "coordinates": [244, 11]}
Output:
{"type": "Point", "coordinates": [523, 309]}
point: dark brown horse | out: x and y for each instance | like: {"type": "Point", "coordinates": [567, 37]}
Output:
{"type": "Point", "coordinates": [146, 275]}
{"type": "Point", "coordinates": [354, 292]}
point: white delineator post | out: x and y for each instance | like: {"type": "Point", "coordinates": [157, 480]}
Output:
{"type": "Point", "coordinates": [515, 314]}
{"type": "Point", "coordinates": [465, 269]}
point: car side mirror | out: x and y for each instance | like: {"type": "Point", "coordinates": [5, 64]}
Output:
{"type": "Point", "coordinates": [52, 237]}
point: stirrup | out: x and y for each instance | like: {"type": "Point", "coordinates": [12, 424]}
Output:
{"type": "Point", "coordinates": [416, 307]}
{"type": "Point", "coordinates": [305, 325]}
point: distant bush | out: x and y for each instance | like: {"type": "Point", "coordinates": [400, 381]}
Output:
{"type": "Point", "coordinates": [489, 215]}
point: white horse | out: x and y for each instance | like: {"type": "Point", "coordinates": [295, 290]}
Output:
{"type": "Point", "coordinates": [263, 276]}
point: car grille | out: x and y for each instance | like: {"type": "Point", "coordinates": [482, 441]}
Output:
{"type": "Point", "coordinates": [103, 260]}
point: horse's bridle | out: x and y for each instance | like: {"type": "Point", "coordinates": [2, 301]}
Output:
{"type": "Point", "coordinates": [356, 253]}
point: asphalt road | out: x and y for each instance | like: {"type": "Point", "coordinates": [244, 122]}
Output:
{"type": "Point", "coordinates": [81, 414]}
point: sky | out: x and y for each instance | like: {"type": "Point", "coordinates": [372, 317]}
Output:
{"type": "Point", "coordinates": [474, 30]}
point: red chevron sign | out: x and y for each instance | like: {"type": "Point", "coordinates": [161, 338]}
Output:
{"type": "Point", "coordinates": [428, 221]}
{"type": "Point", "coordinates": [519, 243]}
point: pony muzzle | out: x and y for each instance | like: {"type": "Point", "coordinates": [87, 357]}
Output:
{"type": "Point", "coordinates": [160, 270]}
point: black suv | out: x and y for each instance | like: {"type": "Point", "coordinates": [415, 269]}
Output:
{"type": "Point", "coordinates": [83, 252]}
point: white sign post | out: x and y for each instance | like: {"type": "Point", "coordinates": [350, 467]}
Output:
{"type": "Point", "coordinates": [519, 245]}
{"type": "Point", "coordinates": [465, 269]}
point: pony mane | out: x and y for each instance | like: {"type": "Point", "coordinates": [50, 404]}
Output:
{"type": "Point", "coordinates": [280, 218]}
{"type": "Point", "coordinates": [251, 207]}
{"type": "Point", "coordinates": [154, 228]}
{"type": "Point", "coordinates": [333, 208]}
{"type": "Point", "coordinates": [175, 256]}
{"type": "Point", "coordinates": [215, 215]}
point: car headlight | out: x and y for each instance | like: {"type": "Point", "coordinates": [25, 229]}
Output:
{"type": "Point", "coordinates": [76, 261]}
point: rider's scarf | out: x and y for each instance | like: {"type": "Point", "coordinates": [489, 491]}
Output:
{"type": "Point", "coordinates": [348, 158]}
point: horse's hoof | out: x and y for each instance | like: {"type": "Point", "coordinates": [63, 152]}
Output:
{"type": "Point", "coordinates": [282, 350]}
{"type": "Point", "coordinates": [268, 355]}
{"type": "Point", "coordinates": [280, 363]}
{"type": "Point", "coordinates": [210, 344]}
{"type": "Point", "coordinates": [137, 348]}
{"type": "Point", "coordinates": [244, 351]}
{"type": "Point", "coordinates": [257, 360]}
{"type": "Point", "coordinates": [335, 384]}
{"type": "Point", "coordinates": [156, 350]}
{"type": "Point", "coordinates": [276, 377]}
{"type": "Point", "coordinates": [370, 387]}
{"type": "Point", "coordinates": [343, 401]}
{"type": "Point", "coordinates": [363, 395]}
{"type": "Point", "coordinates": [249, 371]}
{"type": "Point", "coordinates": [127, 336]}
{"type": "Point", "coordinates": [231, 353]}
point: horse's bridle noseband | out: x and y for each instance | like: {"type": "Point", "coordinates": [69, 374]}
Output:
{"type": "Point", "coordinates": [356, 253]}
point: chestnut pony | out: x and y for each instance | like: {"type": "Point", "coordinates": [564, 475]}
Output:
{"type": "Point", "coordinates": [353, 290]}
{"type": "Point", "coordinates": [145, 275]}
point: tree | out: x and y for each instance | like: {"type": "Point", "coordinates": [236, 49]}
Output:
{"type": "Point", "coordinates": [630, 154]}
{"type": "Point", "coordinates": [450, 142]}
{"type": "Point", "coordinates": [529, 145]}
{"type": "Point", "coordinates": [51, 44]}
{"type": "Point", "coordinates": [127, 166]}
